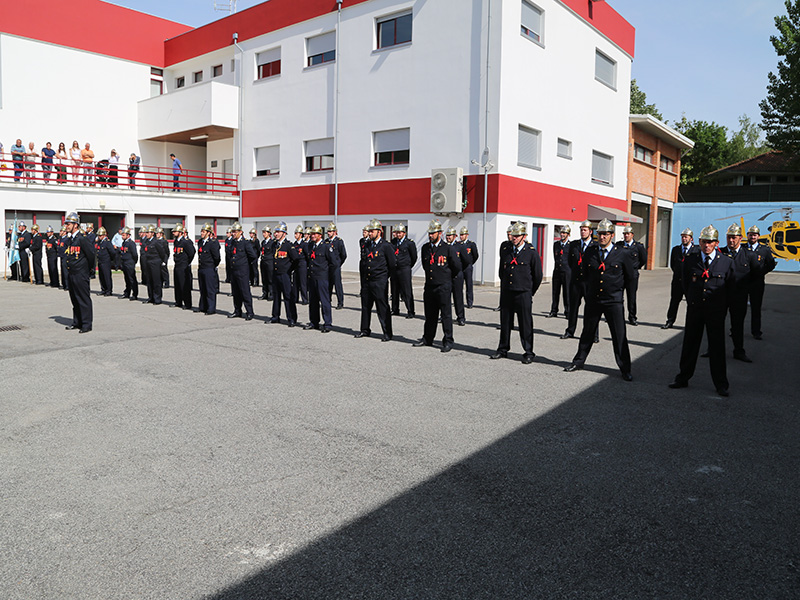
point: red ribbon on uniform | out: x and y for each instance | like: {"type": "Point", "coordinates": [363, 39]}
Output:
{"type": "Point", "coordinates": [433, 256]}
{"type": "Point", "coordinates": [602, 267]}
{"type": "Point", "coordinates": [397, 251]}
{"type": "Point", "coordinates": [370, 255]}
{"type": "Point", "coordinates": [313, 255]}
{"type": "Point", "coordinates": [580, 259]}
{"type": "Point", "coordinates": [705, 274]}
{"type": "Point", "coordinates": [514, 261]}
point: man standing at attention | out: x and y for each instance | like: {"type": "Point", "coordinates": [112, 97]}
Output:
{"type": "Point", "coordinates": [638, 254]}
{"type": "Point", "coordinates": [676, 258]}
{"type": "Point", "coordinates": [561, 272]}
{"type": "Point", "coordinates": [340, 255]}
{"type": "Point", "coordinates": [405, 252]}
{"type": "Point", "coordinates": [80, 262]}
{"type": "Point", "coordinates": [377, 265]}
{"type": "Point", "coordinates": [766, 263]}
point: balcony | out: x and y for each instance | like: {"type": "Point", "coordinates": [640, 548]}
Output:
{"type": "Point", "coordinates": [197, 114]}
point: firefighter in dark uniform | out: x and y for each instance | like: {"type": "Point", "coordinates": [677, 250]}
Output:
{"type": "Point", "coordinates": [153, 255]}
{"type": "Point", "coordinates": [242, 255]}
{"type": "Point", "coordinates": [300, 277]}
{"type": "Point", "coordinates": [284, 263]}
{"type": "Point", "coordinates": [51, 251]}
{"type": "Point", "coordinates": [142, 262]}
{"type": "Point", "coordinates": [128, 258]}
{"type": "Point", "coordinates": [335, 281]}
{"type": "Point", "coordinates": [766, 263]}
{"type": "Point", "coordinates": [607, 269]}
{"type": "Point", "coordinates": [105, 253]}
{"type": "Point", "coordinates": [676, 258]}
{"type": "Point", "coordinates": [471, 252]}
{"type": "Point", "coordinates": [458, 280]}
{"type": "Point", "coordinates": [254, 265]}
{"type": "Point", "coordinates": [441, 264]}
{"type": "Point", "coordinates": [161, 239]}
{"type": "Point", "coordinates": [577, 283]}
{"type": "Point", "coordinates": [63, 242]}
{"type": "Point", "coordinates": [267, 263]}
{"type": "Point", "coordinates": [36, 255]}
{"type": "Point", "coordinates": [92, 237]}
{"type": "Point", "coordinates": [745, 269]}
{"type": "Point", "coordinates": [80, 262]}
{"type": "Point", "coordinates": [376, 266]}
{"type": "Point", "coordinates": [320, 264]}
{"type": "Point", "coordinates": [561, 272]}
{"type": "Point", "coordinates": [208, 260]}
{"type": "Point", "coordinates": [405, 253]}
{"type": "Point", "coordinates": [505, 245]}
{"type": "Point", "coordinates": [638, 254]}
{"type": "Point", "coordinates": [182, 255]}
{"type": "Point", "coordinates": [24, 243]}
{"type": "Point", "coordinates": [520, 277]}
{"type": "Point", "coordinates": [307, 235]}
{"type": "Point", "coordinates": [228, 240]}
{"type": "Point", "coordinates": [361, 243]}
{"type": "Point", "coordinates": [708, 282]}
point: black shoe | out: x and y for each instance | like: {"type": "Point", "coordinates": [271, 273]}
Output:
{"type": "Point", "coordinates": [496, 309]}
{"type": "Point", "coordinates": [499, 354]}
{"type": "Point", "coordinates": [308, 326]}
{"type": "Point", "coordinates": [627, 377]}
{"type": "Point", "coordinates": [461, 322]}
{"type": "Point", "coordinates": [596, 340]}
{"type": "Point", "coordinates": [235, 316]}
{"type": "Point", "coordinates": [134, 298]}
{"type": "Point", "coordinates": [339, 306]}
{"type": "Point", "coordinates": [124, 297]}
{"type": "Point", "coordinates": [361, 334]}
{"type": "Point", "coordinates": [420, 343]}
{"type": "Point", "coordinates": [292, 324]}
{"type": "Point", "coordinates": [447, 348]}
{"type": "Point", "coordinates": [395, 313]}
{"type": "Point", "coordinates": [757, 336]}
{"type": "Point", "coordinates": [723, 392]}
{"type": "Point", "coordinates": [410, 316]}
{"type": "Point", "coordinates": [469, 305]}
{"type": "Point", "coordinates": [676, 385]}
{"type": "Point", "coordinates": [386, 338]}
{"type": "Point", "coordinates": [213, 312]}
{"type": "Point", "coordinates": [572, 367]}
{"type": "Point", "coordinates": [248, 318]}
{"type": "Point", "coordinates": [566, 336]}
{"type": "Point", "coordinates": [633, 322]}
{"type": "Point", "coordinates": [551, 315]}
{"type": "Point", "coordinates": [705, 354]}
{"type": "Point", "coordinates": [147, 301]}
{"type": "Point", "coordinates": [528, 359]}
{"type": "Point", "coordinates": [742, 357]}
{"type": "Point", "coordinates": [668, 325]}
{"type": "Point", "coordinates": [85, 330]}
{"type": "Point", "coordinates": [273, 320]}
{"type": "Point", "coordinates": [69, 327]}
{"type": "Point", "coordinates": [325, 330]}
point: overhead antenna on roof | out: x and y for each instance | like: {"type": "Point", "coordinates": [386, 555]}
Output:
{"type": "Point", "coordinates": [229, 7]}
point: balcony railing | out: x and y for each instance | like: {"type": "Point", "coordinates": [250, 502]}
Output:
{"type": "Point", "coordinates": [120, 177]}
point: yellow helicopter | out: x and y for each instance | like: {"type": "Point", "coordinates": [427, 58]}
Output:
{"type": "Point", "coordinates": [783, 237]}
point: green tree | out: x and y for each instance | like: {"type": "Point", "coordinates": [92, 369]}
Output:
{"type": "Point", "coordinates": [747, 142]}
{"type": "Point", "coordinates": [710, 150]}
{"type": "Point", "coordinates": [780, 110]}
{"type": "Point", "coordinates": [639, 105]}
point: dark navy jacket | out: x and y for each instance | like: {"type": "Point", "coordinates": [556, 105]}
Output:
{"type": "Point", "coordinates": [711, 289]}
{"type": "Point", "coordinates": [521, 272]}
{"type": "Point", "coordinates": [441, 264]}
{"type": "Point", "coordinates": [377, 260]}
{"type": "Point", "coordinates": [605, 279]}
{"type": "Point", "coordinates": [208, 253]}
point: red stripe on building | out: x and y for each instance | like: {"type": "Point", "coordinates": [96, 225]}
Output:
{"type": "Point", "coordinates": [507, 194]}
{"type": "Point", "coordinates": [277, 14]}
{"type": "Point", "coordinates": [93, 26]}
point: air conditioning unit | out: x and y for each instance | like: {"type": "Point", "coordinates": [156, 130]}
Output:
{"type": "Point", "coordinates": [447, 187]}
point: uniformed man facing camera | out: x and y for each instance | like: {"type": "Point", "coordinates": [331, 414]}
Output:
{"type": "Point", "coordinates": [766, 263]}
{"type": "Point", "coordinates": [638, 254]}
{"type": "Point", "coordinates": [80, 262]}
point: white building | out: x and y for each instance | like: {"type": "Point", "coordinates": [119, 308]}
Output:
{"type": "Point", "coordinates": [342, 115]}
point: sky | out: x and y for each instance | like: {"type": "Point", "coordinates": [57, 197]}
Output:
{"type": "Point", "coordinates": [707, 59]}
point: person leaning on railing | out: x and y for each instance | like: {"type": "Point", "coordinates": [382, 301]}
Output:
{"type": "Point", "coordinates": [75, 155]}
{"type": "Point", "coordinates": [30, 163]}
{"type": "Point", "coordinates": [17, 157]}
{"type": "Point", "coordinates": [61, 163]}
{"type": "Point", "coordinates": [47, 161]}
{"type": "Point", "coordinates": [133, 169]}
{"type": "Point", "coordinates": [87, 160]}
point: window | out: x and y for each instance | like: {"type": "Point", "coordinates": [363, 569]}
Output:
{"type": "Point", "coordinates": [394, 30]}
{"type": "Point", "coordinates": [156, 87]}
{"type": "Point", "coordinates": [321, 49]}
{"type": "Point", "coordinates": [605, 70]}
{"type": "Point", "coordinates": [216, 71]}
{"type": "Point", "coordinates": [180, 82]}
{"type": "Point", "coordinates": [564, 148]}
{"type": "Point", "coordinates": [643, 154]}
{"type": "Point", "coordinates": [156, 72]}
{"type": "Point", "coordinates": [197, 77]}
{"type": "Point", "coordinates": [392, 147]}
{"type": "Point", "coordinates": [528, 149]}
{"type": "Point", "coordinates": [268, 161]}
{"type": "Point", "coordinates": [667, 164]}
{"type": "Point", "coordinates": [761, 179]}
{"type": "Point", "coordinates": [268, 63]}
{"type": "Point", "coordinates": [532, 20]}
{"type": "Point", "coordinates": [319, 155]}
{"type": "Point", "coordinates": [602, 168]}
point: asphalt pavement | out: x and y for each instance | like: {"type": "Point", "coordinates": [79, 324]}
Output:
{"type": "Point", "coordinates": [172, 455]}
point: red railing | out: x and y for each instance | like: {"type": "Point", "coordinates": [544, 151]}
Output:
{"type": "Point", "coordinates": [101, 174]}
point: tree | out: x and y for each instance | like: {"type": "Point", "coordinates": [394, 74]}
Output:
{"type": "Point", "coordinates": [710, 150]}
{"type": "Point", "coordinates": [780, 110]}
{"type": "Point", "coordinates": [747, 142]}
{"type": "Point", "coordinates": [639, 105]}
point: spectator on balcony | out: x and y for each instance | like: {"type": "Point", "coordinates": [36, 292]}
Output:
{"type": "Point", "coordinates": [176, 173]}
{"type": "Point", "coordinates": [113, 169]}
{"type": "Point", "coordinates": [31, 158]}
{"type": "Point", "coordinates": [18, 157]}
{"type": "Point", "coordinates": [133, 169]}
{"type": "Point", "coordinates": [87, 159]}
{"type": "Point", "coordinates": [47, 161]}
{"type": "Point", "coordinates": [75, 155]}
{"type": "Point", "coordinates": [61, 163]}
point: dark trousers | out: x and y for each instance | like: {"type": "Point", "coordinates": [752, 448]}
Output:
{"type": "Point", "coordinates": [468, 285]}
{"type": "Point", "coordinates": [38, 273]}
{"type": "Point", "coordinates": [675, 298]}
{"type": "Point", "coordinates": [576, 294]}
{"type": "Point", "coordinates": [24, 267]}
{"type": "Point", "coordinates": [630, 294]}
{"type": "Point", "coordinates": [131, 285]}
{"type": "Point", "coordinates": [104, 270]}
{"type": "Point", "coordinates": [376, 292]}
{"type": "Point", "coordinates": [266, 279]}
{"type": "Point", "coordinates": [560, 283]}
{"type": "Point", "coordinates": [713, 322]}
{"type": "Point", "coordinates": [241, 291]}
{"type": "Point", "coordinates": [756, 297]}
{"type": "Point", "coordinates": [319, 296]}
{"type": "Point", "coordinates": [300, 283]}
{"type": "Point", "coordinates": [402, 288]}
{"type": "Point", "coordinates": [519, 304]}
{"type": "Point", "coordinates": [615, 316]}
{"type": "Point", "coordinates": [80, 298]}
{"type": "Point", "coordinates": [335, 283]}
{"type": "Point", "coordinates": [164, 275]}
{"type": "Point", "coordinates": [64, 273]}
{"type": "Point", "coordinates": [52, 270]}
{"type": "Point", "coordinates": [153, 281]}
{"type": "Point", "coordinates": [143, 266]}
{"type": "Point", "coordinates": [738, 311]}
{"type": "Point", "coordinates": [183, 286]}
{"type": "Point", "coordinates": [15, 271]}
{"type": "Point", "coordinates": [437, 302]}
{"type": "Point", "coordinates": [254, 272]}
{"type": "Point", "coordinates": [208, 282]}
{"type": "Point", "coordinates": [458, 296]}
{"type": "Point", "coordinates": [282, 290]}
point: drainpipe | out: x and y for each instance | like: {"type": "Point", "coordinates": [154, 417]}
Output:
{"type": "Point", "coordinates": [241, 118]}
{"type": "Point", "coordinates": [336, 117]}
{"type": "Point", "coordinates": [487, 164]}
